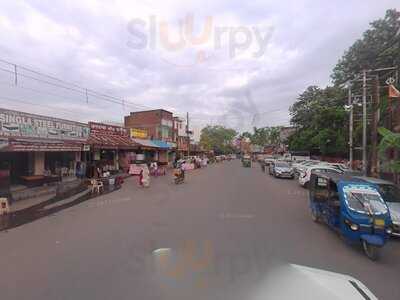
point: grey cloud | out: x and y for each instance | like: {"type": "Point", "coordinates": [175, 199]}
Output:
{"type": "Point", "coordinates": [99, 58]}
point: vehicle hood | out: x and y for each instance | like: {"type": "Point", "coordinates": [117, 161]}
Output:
{"type": "Point", "coordinates": [394, 209]}
{"type": "Point", "coordinates": [299, 282]}
{"type": "Point", "coordinates": [283, 169]}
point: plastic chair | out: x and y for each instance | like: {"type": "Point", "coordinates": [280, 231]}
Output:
{"type": "Point", "coordinates": [4, 206]}
{"type": "Point", "coordinates": [96, 186]}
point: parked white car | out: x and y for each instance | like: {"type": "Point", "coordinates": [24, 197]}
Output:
{"type": "Point", "coordinates": [300, 167]}
{"type": "Point", "coordinates": [304, 177]}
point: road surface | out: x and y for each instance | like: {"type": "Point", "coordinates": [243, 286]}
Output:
{"type": "Point", "coordinates": [221, 235]}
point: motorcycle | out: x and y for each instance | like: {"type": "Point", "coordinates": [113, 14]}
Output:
{"type": "Point", "coordinates": [179, 176]}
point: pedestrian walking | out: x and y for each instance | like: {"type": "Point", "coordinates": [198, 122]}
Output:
{"type": "Point", "coordinates": [144, 178]}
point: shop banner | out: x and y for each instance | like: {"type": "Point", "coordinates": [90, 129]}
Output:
{"type": "Point", "coordinates": [107, 129]}
{"type": "Point", "coordinates": [138, 133]}
{"type": "Point", "coordinates": [20, 124]}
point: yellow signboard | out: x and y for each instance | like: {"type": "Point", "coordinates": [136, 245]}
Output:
{"type": "Point", "coordinates": [139, 133]}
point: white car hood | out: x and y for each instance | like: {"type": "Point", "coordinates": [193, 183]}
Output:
{"type": "Point", "coordinates": [299, 282]}
{"type": "Point", "coordinates": [283, 169]}
{"type": "Point", "coordinates": [394, 209]}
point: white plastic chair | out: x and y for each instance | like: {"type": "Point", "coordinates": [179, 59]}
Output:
{"type": "Point", "coordinates": [96, 186]}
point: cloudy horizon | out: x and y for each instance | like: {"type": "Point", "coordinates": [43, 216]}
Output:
{"type": "Point", "coordinates": [245, 71]}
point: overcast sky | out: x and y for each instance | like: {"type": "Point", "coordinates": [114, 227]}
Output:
{"type": "Point", "coordinates": [243, 65]}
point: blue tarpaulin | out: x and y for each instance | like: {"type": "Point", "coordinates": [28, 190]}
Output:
{"type": "Point", "coordinates": [161, 144]}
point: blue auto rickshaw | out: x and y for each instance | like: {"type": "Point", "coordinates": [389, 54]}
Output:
{"type": "Point", "coordinates": [353, 208]}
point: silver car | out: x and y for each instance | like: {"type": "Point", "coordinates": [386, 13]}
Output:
{"type": "Point", "coordinates": [283, 169]}
{"type": "Point", "coordinates": [391, 194]}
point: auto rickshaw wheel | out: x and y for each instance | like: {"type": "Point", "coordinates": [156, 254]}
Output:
{"type": "Point", "coordinates": [371, 251]}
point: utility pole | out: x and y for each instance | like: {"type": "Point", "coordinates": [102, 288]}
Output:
{"type": "Point", "coordinates": [187, 134]}
{"type": "Point", "coordinates": [350, 128]}
{"type": "Point", "coordinates": [374, 128]}
{"type": "Point", "coordinates": [364, 135]}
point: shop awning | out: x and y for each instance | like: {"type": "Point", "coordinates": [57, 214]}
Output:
{"type": "Point", "coordinates": [162, 144]}
{"type": "Point", "coordinates": [37, 145]}
{"type": "Point", "coordinates": [145, 143]}
{"type": "Point", "coordinates": [158, 144]}
{"type": "Point", "coordinates": [109, 141]}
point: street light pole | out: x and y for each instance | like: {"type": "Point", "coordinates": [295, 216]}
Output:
{"type": "Point", "coordinates": [364, 135]}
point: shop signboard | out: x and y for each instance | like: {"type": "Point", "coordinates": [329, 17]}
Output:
{"type": "Point", "coordinates": [138, 133]}
{"type": "Point", "coordinates": [20, 124]}
{"type": "Point", "coordinates": [107, 129]}
{"type": "Point", "coordinates": [86, 147]}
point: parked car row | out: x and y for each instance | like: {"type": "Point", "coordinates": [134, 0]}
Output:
{"type": "Point", "coordinates": [301, 170]}
{"type": "Point", "coordinates": [337, 192]}
{"type": "Point", "coordinates": [304, 169]}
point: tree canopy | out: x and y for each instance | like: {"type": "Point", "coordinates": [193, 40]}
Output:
{"type": "Point", "coordinates": [379, 47]}
{"type": "Point", "coordinates": [263, 136]}
{"type": "Point", "coordinates": [321, 120]}
{"type": "Point", "coordinates": [217, 138]}
{"type": "Point", "coordinates": [318, 113]}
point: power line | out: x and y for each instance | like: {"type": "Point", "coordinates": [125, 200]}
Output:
{"type": "Point", "coordinates": [38, 105]}
{"type": "Point", "coordinates": [88, 94]}
{"type": "Point", "coordinates": [67, 85]}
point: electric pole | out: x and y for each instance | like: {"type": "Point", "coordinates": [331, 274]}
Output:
{"type": "Point", "coordinates": [350, 128]}
{"type": "Point", "coordinates": [187, 134]}
{"type": "Point", "coordinates": [364, 122]}
{"type": "Point", "coordinates": [374, 128]}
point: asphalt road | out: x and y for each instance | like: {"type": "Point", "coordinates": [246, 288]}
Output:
{"type": "Point", "coordinates": [220, 235]}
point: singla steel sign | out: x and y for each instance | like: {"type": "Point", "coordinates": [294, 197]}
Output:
{"type": "Point", "coordinates": [20, 124]}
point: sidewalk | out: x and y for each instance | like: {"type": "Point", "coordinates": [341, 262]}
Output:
{"type": "Point", "coordinates": [24, 204]}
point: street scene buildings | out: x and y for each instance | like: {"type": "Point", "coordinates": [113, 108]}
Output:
{"type": "Point", "coordinates": [257, 159]}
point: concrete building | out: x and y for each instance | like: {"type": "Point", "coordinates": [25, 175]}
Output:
{"type": "Point", "coordinates": [158, 123]}
{"type": "Point", "coordinates": [180, 135]}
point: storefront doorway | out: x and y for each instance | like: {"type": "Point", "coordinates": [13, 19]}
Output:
{"type": "Point", "coordinates": [18, 163]}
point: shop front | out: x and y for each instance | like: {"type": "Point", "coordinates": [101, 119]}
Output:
{"type": "Point", "coordinates": [37, 150]}
{"type": "Point", "coordinates": [165, 152]}
{"type": "Point", "coordinates": [111, 149]}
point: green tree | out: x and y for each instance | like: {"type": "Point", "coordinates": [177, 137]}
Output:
{"type": "Point", "coordinates": [260, 136]}
{"type": "Point", "coordinates": [217, 138]}
{"type": "Point", "coordinates": [246, 134]}
{"type": "Point", "coordinates": [379, 47]}
{"type": "Point", "coordinates": [321, 120]}
{"type": "Point", "coordinates": [264, 136]}
{"type": "Point", "coordinates": [274, 135]}
{"type": "Point", "coordinates": [319, 113]}
{"type": "Point", "coordinates": [390, 141]}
